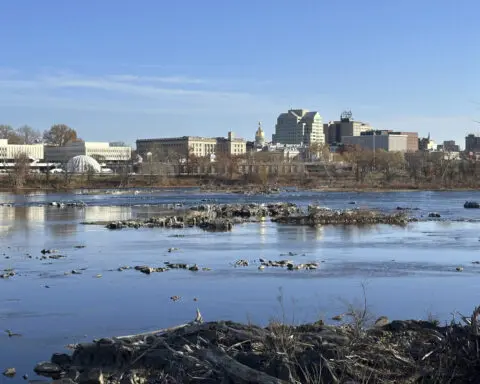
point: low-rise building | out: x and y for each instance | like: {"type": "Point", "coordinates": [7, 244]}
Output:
{"type": "Point", "coordinates": [412, 140]}
{"type": "Point", "coordinates": [8, 152]}
{"type": "Point", "coordinates": [181, 147]}
{"type": "Point", "coordinates": [373, 141]}
{"type": "Point", "coordinates": [101, 151]}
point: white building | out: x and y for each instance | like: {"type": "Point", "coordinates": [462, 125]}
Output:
{"type": "Point", "coordinates": [101, 151]}
{"type": "Point", "coordinates": [391, 143]}
{"type": "Point", "coordinates": [299, 126]}
{"type": "Point", "coordinates": [8, 152]}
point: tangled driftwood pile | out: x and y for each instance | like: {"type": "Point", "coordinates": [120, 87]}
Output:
{"type": "Point", "coordinates": [226, 352]}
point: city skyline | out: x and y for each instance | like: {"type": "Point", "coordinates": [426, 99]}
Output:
{"type": "Point", "coordinates": [122, 71]}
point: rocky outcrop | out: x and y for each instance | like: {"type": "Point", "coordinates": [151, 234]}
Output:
{"type": "Point", "coordinates": [212, 217]}
{"type": "Point", "coordinates": [224, 216]}
{"type": "Point", "coordinates": [321, 216]}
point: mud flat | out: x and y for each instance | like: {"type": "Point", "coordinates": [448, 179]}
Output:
{"type": "Point", "coordinates": [226, 352]}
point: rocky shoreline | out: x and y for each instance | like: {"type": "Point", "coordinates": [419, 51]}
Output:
{"type": "Point", "coordinates": [222, 217]}
{"type": "Point", "coordinates": [227, 352]}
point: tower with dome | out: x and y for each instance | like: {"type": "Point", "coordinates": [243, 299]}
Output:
{"type": "Point", "coordinates": [259, 136]}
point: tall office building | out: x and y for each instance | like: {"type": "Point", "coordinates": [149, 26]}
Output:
{"type": "Point", "coordinates": [299, 126]}
{"type": "Point", "coordinates": [346, 126]}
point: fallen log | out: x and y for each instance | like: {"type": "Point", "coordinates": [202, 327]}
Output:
{"type": "Point", "coordinates": [236, 371]}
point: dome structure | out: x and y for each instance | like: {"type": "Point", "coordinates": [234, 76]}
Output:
{"type": "Point", "coordinates": [83, 164]}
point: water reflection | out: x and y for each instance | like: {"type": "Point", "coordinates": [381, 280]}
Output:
{"type": "Point", "coordinates": [57, 222]}
{"type": "Point", "coordinates": [107, 213]}
{"type": "Point", "coordinates": [262, 230]}
{"type": "Point", "coordinates": [7, 218]}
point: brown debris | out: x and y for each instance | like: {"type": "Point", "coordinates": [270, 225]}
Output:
{"type": "Point", "coordinates": [216, 352]}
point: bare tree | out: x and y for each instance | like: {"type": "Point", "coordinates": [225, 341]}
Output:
{"type": "Point", "coordinates": [28, 134]}
{"type": "Point", "coordinates": [7, 132]}
{"type": "Point", "coordinates": [60, 134]}
{"type": "Point", "coordinates": [19, 173]}
{"type": "Point", "coordinates": [389, 163]}
{"type": "Point", "coordinates": [361, 161]}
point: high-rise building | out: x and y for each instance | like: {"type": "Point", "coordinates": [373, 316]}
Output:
{"type": "Point", "coordinates": [450, 146]}
{"type": "Point", "coordinates": [472, 143]}
{"type": "Point", "coordinates": [346, 126]}
{"type": "Point", "coordinates": [299, 126]}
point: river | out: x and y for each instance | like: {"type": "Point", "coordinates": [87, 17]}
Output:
{"type": "Point", "coordinates": [407, 272]}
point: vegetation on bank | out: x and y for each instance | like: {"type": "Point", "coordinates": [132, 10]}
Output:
{"type": "Point", "coordinates": [24, 182]}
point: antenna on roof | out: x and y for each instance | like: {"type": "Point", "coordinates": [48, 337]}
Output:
{"type": "Point", "coordinates": [346, 115]}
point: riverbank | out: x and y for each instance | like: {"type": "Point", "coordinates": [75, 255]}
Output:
{"type": "Point", "coordinates": [209, 184]}
{"type": "Point", "coordinates": [227, 352]}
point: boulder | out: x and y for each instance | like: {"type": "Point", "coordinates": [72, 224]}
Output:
{"type": "Point", "coordinates": [61, 359]}
{"type": "Point", "coordinates": [10, 372]}
{"type": "Point", "coordinates": [48, 369]}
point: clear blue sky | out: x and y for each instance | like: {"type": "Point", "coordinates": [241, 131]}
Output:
{"type": "Point", "coordinates": [122, 70]}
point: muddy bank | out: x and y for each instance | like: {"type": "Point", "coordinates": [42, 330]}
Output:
{"type": "Point", "coordinates": [227, 352]}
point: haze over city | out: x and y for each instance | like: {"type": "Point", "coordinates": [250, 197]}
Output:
{"type": "Point", "coordinates": [127, 70]}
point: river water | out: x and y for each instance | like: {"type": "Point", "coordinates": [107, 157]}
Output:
{"type": "Point", "coordinates": [407, 272]}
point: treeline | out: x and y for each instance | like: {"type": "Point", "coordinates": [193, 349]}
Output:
{"type": "Point", "coordinates": [58, 134]}
{"type": "Point", "coordinates": [419, 167]}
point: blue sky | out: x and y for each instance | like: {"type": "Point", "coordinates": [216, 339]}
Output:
{"type": "Point", "coordinates": [122, 70]}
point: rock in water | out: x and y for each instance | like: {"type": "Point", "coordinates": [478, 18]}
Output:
{"type": "Point", "coordinates": [471, 204]}
{"type": "Point", "coordinates": [61, 359]}
{"type": "Point", "coordinates": [10, 372]}
{"type": "Point", "coordinates": [48, 369]}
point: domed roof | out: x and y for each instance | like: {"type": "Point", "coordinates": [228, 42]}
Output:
{"type": "Point", "coordinates": [83, 164]}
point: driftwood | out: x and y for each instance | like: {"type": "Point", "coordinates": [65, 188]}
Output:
{"type": "Point", "coordinates": [216, 352]}
{"type": "Point", "coordinates": [158, 332]}
{"type": "Point", "coordinates": [238, 372]}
